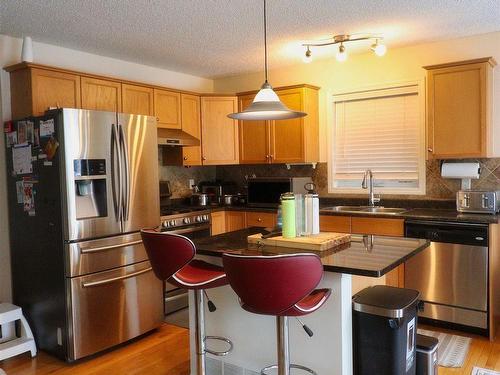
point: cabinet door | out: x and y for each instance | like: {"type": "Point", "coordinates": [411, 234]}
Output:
{"type": "Point", "coordinates": [218, 222]}
{"type": "Point", "coordinates": [261, 219]}
{"type": "Point", "coordinates": [191, 124]}
{"type": "Point", "coordinates": [54, 89]}
{"type": "Point", "coordinates": [168, 109]}
{"type": "Point", "coordinates": [457, 111]}
{"type": "Point", "coordinates": [101, 95]}
{"type": "Point", "coordinates": [219, 133]}
{"type": "Point", "coordinates": [378, 226]}
{"type": "Point", "coordinates": [254, 137]}
{"type": "Point", "coordinates": [329, 223]}
{"type": "Point", "coordinates": [287, 136]}
{"type": "Point", "coordinates": [235, 220]}
{"type": "Point", "coordinates": [137, 100]}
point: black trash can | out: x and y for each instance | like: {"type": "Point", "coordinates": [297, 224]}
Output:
{"type": "Point", "coordinates": [427, 355]}
{"type": "Point", "coordinates": [385, 331]}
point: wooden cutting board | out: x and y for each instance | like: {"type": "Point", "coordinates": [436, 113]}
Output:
{"type": "Point", "coordinates": [318, 242]}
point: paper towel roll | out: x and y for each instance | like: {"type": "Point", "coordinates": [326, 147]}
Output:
{"type": "Point", "coordinates": [461, 170]}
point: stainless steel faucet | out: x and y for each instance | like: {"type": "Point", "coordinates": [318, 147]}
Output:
{"type": "Point", "coordinates": [372, 198]}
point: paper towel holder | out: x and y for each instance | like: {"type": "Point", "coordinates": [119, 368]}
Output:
{"type": "Point", "coordinates": [466, 172]}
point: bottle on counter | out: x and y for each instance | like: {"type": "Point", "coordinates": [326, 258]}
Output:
{"type": "Point", "coordinates": [311, 208]}
{"type": "Point", "coordinates": [288, 214]}
{"type": "Point", "coordinates": [300, 224]}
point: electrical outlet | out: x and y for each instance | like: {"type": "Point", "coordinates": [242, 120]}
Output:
{"type": "Point", "coordinates": [191, 183]}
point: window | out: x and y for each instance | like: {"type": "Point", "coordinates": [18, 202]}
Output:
{"type": "Point", "coordinates": [381, 130]}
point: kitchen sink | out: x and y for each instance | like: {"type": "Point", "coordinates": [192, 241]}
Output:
{"type": "Point", "coordinates": [366, 209]}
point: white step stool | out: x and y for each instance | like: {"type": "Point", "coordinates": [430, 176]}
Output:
{"type": "Point", "coordinates": [9, 313]}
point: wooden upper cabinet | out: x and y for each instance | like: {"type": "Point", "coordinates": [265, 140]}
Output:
{"type": "Point", "coordinates": [191, 124]}
{"type": "Point", "coordinates": [219, 132]}
{"type": "Point", "coordinates": [101, 95]}
{"type": "Point", "coordinates": [460, 105]}
{"type": "Point", "coordinates": [167, 109]}
{"type": "Point", "coordinates": [287, 136]}
{"type": "Point", "coordinates": [34, 90]}
{"type": "Point", "coordinates": [137, 100]}
{"type": "Point", "coordinates": [254, 137]}
{"type": "Point", "coordinates": [282, 141]}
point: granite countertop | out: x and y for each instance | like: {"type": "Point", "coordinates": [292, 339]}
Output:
{"type": "Point", "coordinates": [437, 210]}
{"type": "Point", "coordinates": [372, 256]}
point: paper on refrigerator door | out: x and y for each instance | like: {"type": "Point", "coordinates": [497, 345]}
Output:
{"type": "Point", "coordinates": [21, 160]}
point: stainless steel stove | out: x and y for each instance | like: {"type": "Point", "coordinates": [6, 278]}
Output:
{"type": "Point", "coordinates": [192, 222]}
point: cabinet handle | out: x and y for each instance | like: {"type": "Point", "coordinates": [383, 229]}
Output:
{"type": "Point", "coordinates": [157, 119]}
{"type": "Point", "coordinates": [259, 219]}
{"type": "Point", "coordinates": [430, 149]}
{"type": "Point", "coordinates": [203, 158]}
{"type": "Point", "coordinates": [267, 157]}
{"type": "Point", "coordinates": [185, 158]}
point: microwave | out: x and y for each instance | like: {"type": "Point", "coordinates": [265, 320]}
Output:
{"type": "Point", "coordinates": [266, 191]}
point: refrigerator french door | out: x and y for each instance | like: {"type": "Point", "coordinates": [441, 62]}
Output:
{"type": "Point", "coordinates": [79, 268]}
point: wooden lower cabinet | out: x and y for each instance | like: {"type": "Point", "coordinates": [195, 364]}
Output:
{"type": "Point", "coordinates": [235, 220]}
{"type": "Point", "coordinates": [378, 226]}
{"type": "Point", "coordinates": [329, 223]}
{"type": "Point", "coordinates": [218, 222]}
{"type": "Point", "coordinates": [261, 219]}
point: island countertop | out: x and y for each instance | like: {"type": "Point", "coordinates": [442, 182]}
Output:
{"type": "Point", "coordinates": [365, 255]}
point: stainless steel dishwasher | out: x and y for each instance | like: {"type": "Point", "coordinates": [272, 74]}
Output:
{"type": "Point", "coordinates": [452, 274]}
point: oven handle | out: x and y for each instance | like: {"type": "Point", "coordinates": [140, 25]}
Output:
{"type": "Point", "coordinates": [113, 279]}
{"type": "Point", "coordinates": [190, 229]}
{"type": "Point", "coordinates": [109, 247]}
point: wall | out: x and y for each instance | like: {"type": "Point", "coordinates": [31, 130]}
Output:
{"type": "Point", "coordinates": [10, 51]}
{"type": "Point", "coordinates": [367, 70]}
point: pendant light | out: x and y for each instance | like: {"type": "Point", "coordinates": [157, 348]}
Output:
{"type": "Point", "coordinates": [266, 104]}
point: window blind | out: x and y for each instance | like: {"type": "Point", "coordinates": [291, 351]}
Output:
{"type": "Point", "coordinates": [381, 133]}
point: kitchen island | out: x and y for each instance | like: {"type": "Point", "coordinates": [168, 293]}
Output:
{"type": "Point", "coordinates": [329, 351]}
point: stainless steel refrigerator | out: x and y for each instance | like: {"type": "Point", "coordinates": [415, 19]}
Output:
{"type": "Point", "coordinates": [79, 269]}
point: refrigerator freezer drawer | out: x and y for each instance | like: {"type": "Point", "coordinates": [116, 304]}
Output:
{"type": "Point", "coordinates": [103, 254]}
{"type": "Point", "coordinates": [111, 307]}
{"type": "Point", "coordinates": [457, 315]}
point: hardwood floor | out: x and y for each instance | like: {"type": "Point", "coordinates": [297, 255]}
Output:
{"type": "Point", "coordinates": [166, 352]}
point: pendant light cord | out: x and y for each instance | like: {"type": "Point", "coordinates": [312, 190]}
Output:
{"type": "Point", "coordinates": [265, 40]}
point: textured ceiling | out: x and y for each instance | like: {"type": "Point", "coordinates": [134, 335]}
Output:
{"type": "Point", "coordinates": [224, 37]}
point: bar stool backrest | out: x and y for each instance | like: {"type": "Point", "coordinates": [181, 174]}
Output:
{"type": "Point", "coordinates": [167, 253]}
{"type": "Point", "coordinates": [272, 284]}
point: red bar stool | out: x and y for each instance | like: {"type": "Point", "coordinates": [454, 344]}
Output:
{"type": "Point", "coordinates": [171, 257]}
{"type": "Point", "coordinates": [283, 286]}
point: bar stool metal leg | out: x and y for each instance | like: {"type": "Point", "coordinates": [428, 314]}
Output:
{"type": "Point", "coordinates": [284, 364]}
{"type": "Point", "coordinates": [201, 338]}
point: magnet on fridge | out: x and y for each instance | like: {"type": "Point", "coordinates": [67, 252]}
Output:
{"type": "Point", "coordinates": [11, 139]}
{"type": "Point", "coordinates": [51, 148]}
{"type": "Point", "coordinates": [28, 197]}
{"type": "Point", "coordinates": [8, 126]}
{"type": "Point", "coordinates": [21, 132]}
{"type": "Point", "coordinates": [30, 132]}
{"type": "Point", "coordinates": [20, 191]}
{"type": "Point", "coordinates": [47, 128]}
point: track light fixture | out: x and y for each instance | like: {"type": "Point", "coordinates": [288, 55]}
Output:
{"type": "Point", "coordinates": [377, 47]}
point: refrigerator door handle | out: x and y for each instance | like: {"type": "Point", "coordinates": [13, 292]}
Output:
{"type": "Point", "coordinates": [114, 279]}
{"type": "Point", "coordinates": [116, 172]}
{"type": "Point", "coordinates": [126, 168]}
{"type": "Point", "coordinates": [109, 247]}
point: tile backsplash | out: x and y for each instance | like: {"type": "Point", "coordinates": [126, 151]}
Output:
{"type": "Point", "coordinates": [436, 186]}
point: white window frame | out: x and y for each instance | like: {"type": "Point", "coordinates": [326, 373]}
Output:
{"type": "Point", "coordinates": [415, 86]}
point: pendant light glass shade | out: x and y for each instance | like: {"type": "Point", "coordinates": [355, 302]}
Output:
{"type": "Point", "coordinates": [266, 106]}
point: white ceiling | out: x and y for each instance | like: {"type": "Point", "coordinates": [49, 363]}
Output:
{"type": "Point", "coordinates": [213, 38]}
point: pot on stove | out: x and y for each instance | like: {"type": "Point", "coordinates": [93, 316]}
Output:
{"type": "Point", "coordinates": [199, 199]}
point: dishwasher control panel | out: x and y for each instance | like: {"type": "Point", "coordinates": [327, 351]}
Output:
{"type": "Point", "coordinates": [448, 232]}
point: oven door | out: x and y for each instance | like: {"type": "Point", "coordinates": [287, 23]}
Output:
{"type": "Point", "coordinates": [177, 298]}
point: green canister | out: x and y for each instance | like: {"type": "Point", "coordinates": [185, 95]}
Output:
{"type": "Point", "coordinates": [288, 212]}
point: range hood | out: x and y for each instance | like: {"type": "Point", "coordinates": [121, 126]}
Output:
{"type": "Point", "coordinates": [176, 137]}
